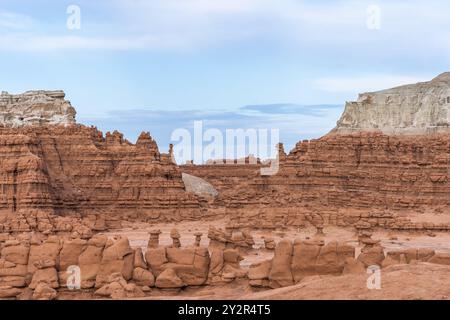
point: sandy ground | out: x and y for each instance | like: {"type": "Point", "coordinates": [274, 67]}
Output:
{"type": "Point", "coordinates": [423, 281]}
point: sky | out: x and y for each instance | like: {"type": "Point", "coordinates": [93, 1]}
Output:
{"type": "Point", "coordinates": [159, 65]}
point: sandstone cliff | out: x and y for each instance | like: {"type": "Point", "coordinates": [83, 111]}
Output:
{"type": "Point", "coordinates": [77, 170]}
{"type": "Point", "coordinates": [341, 179]}
{"type": "Point", "coordinates": [386, 164]}
{"type": "Point", "coordinates": [35, 108]}
{"type": "Point", "coordinates": [411, 109]}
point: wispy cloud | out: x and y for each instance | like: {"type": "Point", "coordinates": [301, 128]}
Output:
{"type": "Point", "coordinates": [196, 24]}
{"type": "Point", "coordinates": [289, 108]}
{"type": "Point", "coordinates": [10, 21]}
{"type": "Point", "coordinates": [38, 43]}
{"type": "Point", "coordinates": [365, 83]}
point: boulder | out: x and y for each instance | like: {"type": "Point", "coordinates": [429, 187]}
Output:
{"type": "Point", "coordinates": [304, 258]}
{"type": "Point", "coordinates": [353, 266]}
{"type": "Point", "coordinates": [269, 243]}
{"type": "Point", "coordinates": [236, 272]}
{"type": "Point", "coordinates": [17, 254]}
{"type": "Point", "coordinates": [232, 256]}
{"type": "Point", "coordinates": [89, 262]}
{"type": "Point", "coordinates": [44, 291]}
{"type": "Point", "coordinates": [139, 261]}
{"type": "Point", "coordinates": [13, 281]}
{"type": "Point", "coordinates": [259, 271]}
{"type": "Point", "coordinates": [155, 258]}
{"type": "Point", "coordinates": [327, 261]}
{"type": "Point", "coordinates": [116, 287]}
{"type": "Point", "coordinates": [9, 292]}
{"type": "Point", "coordinates": [143, 277]}
{"type": "Point", "coordinates": [194, 273]}
{"type": "Point", "coordinates": [47, 250]}
{"type": "Point", "coordinates": [280, 273]}
{"type": "Point", "coordinates": [217, 261]}
{"type": "Point", "coordinates": [70, 252]}
{"type": "Point", "coordinates": [48, 276]}
{"type": "Point", "coordinates": [117, 249]}
{"type": "Point", "coordinates": [168, 279]}
{"type": "Point", "coordinates": [181, 256]}
{"type": "Point", "coordinates": [370, 256]}
{"type": "Point", "coordinates": [118, 257]}
{"type": "Point", "coordinates": [19, 270]}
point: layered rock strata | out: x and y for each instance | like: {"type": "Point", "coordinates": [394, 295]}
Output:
{"type": "Point", "coordinates": [342, 180]}
{"type": "Point", "coordinates": [362, 172]}
{"type": "Point", "coordinates": [412, 109]}
{"type": "Point", "coordinates": [76, 170]}
{"type": "Point", "coordinates": [35, 108]}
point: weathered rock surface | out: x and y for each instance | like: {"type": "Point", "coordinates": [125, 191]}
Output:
{"type": "Point", "coordinates": [296, 260]}
{"type": "Point", "coordinates": [280, 273]}
{"type": "Point", "coordinates": [199, 186]}
{"type": "Point", "coordinates": [411, 109]}
{"type": "Point", "coordinates": [116, 287]}
{"type": "Point", "coordinates": [361, 172]}
{"type": "Point", "coordinates": [191, 264]}
{"type": "Point", "coordinates": [35, 108]}
{"type": "Point", "coordinates": [168, 279]}
{"type": "Point", "coordinates": [44, 291]}
{"type": "Point", "coordinates": [343, 179]}
{"type": "Point", "coordinates": [77, 171]}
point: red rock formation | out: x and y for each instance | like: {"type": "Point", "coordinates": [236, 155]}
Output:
{"type": "Point", "coordinates": [76, 171]}
{"type": "Point", "coordinates": [343, 179]}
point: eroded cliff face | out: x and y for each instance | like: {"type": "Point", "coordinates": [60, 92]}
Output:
{"type": "Point", "coordinates": [35, 108]}
{"type": "Point", "coordinates": [355, 174]}
{"type": "Point", "coordinates": [50, 165]}
{"type": "Point", "coordinates": [75, 170]}
{"type": "Point", "coordinates": [412, 109]}
{"type": "Point", "coordinates": [341, 179]}
{"type": "Point", "coordinates": [386, 163]}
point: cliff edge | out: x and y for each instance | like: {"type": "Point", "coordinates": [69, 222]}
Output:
{"type": "Point", "coordinates": [411, 109]}
{"type": "Point", "coordinates": [35, 108]}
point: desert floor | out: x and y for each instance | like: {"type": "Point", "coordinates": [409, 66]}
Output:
{"type": "Point", "coordinates": [412, 281]}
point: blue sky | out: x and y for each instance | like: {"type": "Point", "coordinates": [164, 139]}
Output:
{"type": "Point", "coordinates": [157, 65]}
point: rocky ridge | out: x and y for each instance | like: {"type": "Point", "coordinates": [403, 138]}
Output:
{"type": "Point", "coordinates": [35, 108]}
{"type": "Point", "coordinates": [411, 109]}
